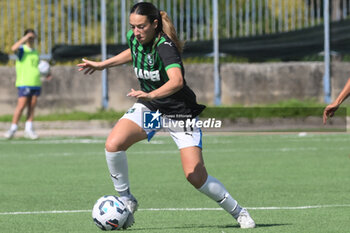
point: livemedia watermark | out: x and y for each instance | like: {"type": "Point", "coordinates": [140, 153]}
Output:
{"type": "Point", "coordinates": [251, 119]}
{"type": "Point", "coordinates": [155, 120]}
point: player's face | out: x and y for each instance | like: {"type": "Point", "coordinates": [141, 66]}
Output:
{"type": "Point", "coordinates": [144, 31]}
{"type": "Point", "coordinates": [31, 38]}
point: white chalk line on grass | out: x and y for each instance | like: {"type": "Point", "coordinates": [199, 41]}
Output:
{"type": "Point", "coordinates": [180, 209]}
{"type": "Point", "coordinates": [291, 138]}
{"type": "Point", "coordinates": [70, 141]}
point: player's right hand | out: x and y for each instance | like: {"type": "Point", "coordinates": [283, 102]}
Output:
{"type": "Point", "coordinates": [89, 66]}
{"type": "Point", "coordinates": [30, 36]}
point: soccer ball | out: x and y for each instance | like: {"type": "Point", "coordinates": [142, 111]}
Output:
{"type": "Point", "coordinates": [110, 213]}
{"type": "Point", "coordinates": [44, 68]}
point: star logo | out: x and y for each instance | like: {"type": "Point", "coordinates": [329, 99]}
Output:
{"type": "Point", "coordinates": [152, 120]}
{"type": "Point", "coordinates": [156, 115]}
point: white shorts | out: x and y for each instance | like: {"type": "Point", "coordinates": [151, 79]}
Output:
{"type": "Point", "coordinates": [183, 136]}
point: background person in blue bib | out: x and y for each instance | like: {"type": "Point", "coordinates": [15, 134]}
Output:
{"type": "Point", "coordinates": [154, 51]}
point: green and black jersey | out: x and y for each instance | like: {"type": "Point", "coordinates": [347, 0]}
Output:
{"type": "Point", "coordinates": [150, 63]}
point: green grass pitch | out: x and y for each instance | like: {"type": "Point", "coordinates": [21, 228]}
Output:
{"type": "Point", "coordinates": [306, 179]}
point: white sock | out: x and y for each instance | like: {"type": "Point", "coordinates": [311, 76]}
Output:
{"type": "Point", "coordinates": [29, 126]}
{"type": "Point", "coordinates": [215, 190]}
{"type": "Point", "coordinates": [118, 168]}
{"type": "Point", "coordinates": [14, 127]}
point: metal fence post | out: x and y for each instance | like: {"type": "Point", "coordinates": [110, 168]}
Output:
{"type": "Point", "coordinates": [123, 15]}
{"type": "Point", "coordinates": [104, 55]}
{"type": "Point", "coordinates": [326, 77]}
{"type": "Point", "coordinates": [217, 78]}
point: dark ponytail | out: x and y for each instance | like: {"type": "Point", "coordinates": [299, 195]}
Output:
{"type": "Point", "coordinates": [169, 29]}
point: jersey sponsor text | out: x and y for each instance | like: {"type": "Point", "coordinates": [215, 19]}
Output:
{"type": "Point", "coordinates": [145, 74]}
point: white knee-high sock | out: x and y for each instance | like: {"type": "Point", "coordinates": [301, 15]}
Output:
{"type": "Point", "coordinates": [215, 190]}
{"type": "Point", "coordinates": [118, 168]}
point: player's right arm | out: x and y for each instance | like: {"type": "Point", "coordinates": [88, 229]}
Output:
{"type": "Point", "coordinates": [23, 40]}
{"type": "Point", "coordinates": [91, 66]}
{"type": "Point", "coordinates": [330, 109]}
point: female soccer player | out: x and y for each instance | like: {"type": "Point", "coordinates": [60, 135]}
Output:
{"type": "Point", "coordinates": [330, 109]}
{"type": "Point", "coordinates": [28, 83]}
{"type": "Point", "coordinates": [154, 51]}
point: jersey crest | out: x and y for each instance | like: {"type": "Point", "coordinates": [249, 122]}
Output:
{"type": "Point", "coordinates": [150, 59]}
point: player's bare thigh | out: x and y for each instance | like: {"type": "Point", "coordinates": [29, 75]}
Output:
{"type": "Point", "coordinates": [124, 134]}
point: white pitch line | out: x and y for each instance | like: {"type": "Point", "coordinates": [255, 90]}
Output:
{"type": "Point", "coordinates": [46, 212]}
{"type": "Point", "coordinates": [298, 207]}
{"type": "Point", "coordinates": [180, 209]}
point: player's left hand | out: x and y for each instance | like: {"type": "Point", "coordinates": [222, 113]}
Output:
{"type": "Point", "coordinates": [140, 95]}
{"type": "Point", "coordinates": [329, 112]}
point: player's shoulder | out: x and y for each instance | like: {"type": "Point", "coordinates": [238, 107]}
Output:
{"type": "Point", "coordinates": [25, 48]}
{"type": "Point", "coordinates": [20, 51]}
{"type": "Point", "coordinates": [165, 41]}
{"type": "Point", "coordinates": [166, 45]}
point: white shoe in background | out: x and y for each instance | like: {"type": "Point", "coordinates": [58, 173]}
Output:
{"type": "Point", "coordinates": [30, 134]}
{"type": "Point", "coordinates": [9, 134]}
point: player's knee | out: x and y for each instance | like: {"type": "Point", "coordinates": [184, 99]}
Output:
{"type": "Point", "coordinates": [197, 180]}
{"type": "Point", "coordinates": [20, 107]}
{"type": "Point", "coordinates": [114, 146]}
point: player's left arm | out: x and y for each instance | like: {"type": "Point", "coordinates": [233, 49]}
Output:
{"type": "Point", "coordinates": [173, 85]}
{"type": "Point", "coordinates": [330, 109]}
